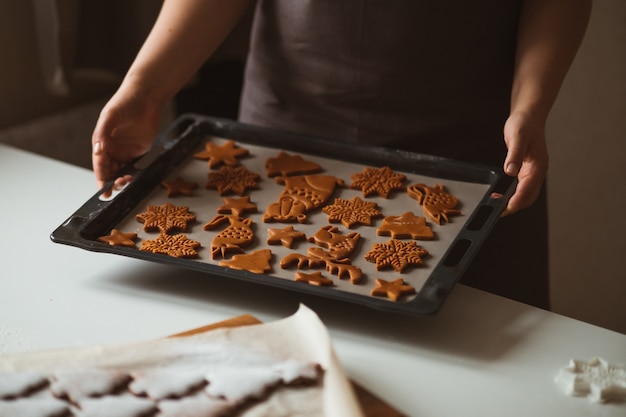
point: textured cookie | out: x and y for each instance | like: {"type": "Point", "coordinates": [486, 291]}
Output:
{"type": "Point", "coordinates": [237, 206]}
{"type": "Point", "coordinates": [226, 153]}
{"type": "Point", "coordinates": [436, 202]}
{"type": "Point", "coordinates": [351, 212]}
{"type": "Point", "coordinates": [177, 246]}
{"type": "Point", "coordinates": [301, 194]}
{"type": "Point", "coordinates": [392, 289]}
{"type": "Point", "coordinates": [405, 226]}
{"type": "Point", "coordinates": [257, 262]}
{"type": "Point", "coordinates": [179, 187]}
{"type": "Point", "coordinates": [117, 238]}
{"type": "Point", "coordinates": [316, 279]}
{"type": "Point", "coordinates": [235, 180]}
{"type": "Point", "coordinates": [234, 238]}
{"type": "Point", "coordinates": [287, 165]}
{"type": "Point", "coordinates": [379, 181]}
{"type": "Point", "coordinates": [285, 237]}
{"type": "Point", "coordinates": [396, 254]}
{"type": "Point", "coordinates": [166, 218]}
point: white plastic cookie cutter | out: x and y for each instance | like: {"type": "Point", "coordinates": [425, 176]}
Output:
{"type": "Point", "coordinates": [596, 379]}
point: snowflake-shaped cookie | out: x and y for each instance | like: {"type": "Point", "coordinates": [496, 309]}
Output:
{"type": "Point", "coordinates": [216, 154]}
{"type": "Point", "coordinates": [177, 246]}
{"type": "Point", "coordinates": [353, 211]}
{"type": "Point", "coordinates": [165, 218]}
{"type": "Point", "coordinates": [232, 180]}
{"type": "Point", "coordinates": [396, 254]}
{"type": "Point", "coordinates": [596, 379]}
{"type": "Point", "coordinates": [378, 180]}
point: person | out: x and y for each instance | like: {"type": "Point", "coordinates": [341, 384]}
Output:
{"type": "Point", "coordinates": [466, 80]}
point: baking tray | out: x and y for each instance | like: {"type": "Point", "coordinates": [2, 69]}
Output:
{"type": "Point", "coordinates": [171, 156]}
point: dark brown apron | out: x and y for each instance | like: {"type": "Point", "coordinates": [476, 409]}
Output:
{"type": "Point", "coordinates": [427, 76]}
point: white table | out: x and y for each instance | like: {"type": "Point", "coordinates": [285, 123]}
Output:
{"type": "Point", "coordinates": [481, 355]}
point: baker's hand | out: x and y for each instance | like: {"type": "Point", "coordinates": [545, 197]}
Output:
{"type": "Point", "coordinates": [527, 158]}
{"type": "Point", "coordinates": [124, 131]}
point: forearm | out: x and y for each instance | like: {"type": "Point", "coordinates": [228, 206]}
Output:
{"type": "Point", "coordinates": [549, 34]}
{"type": "Point", "coordinates": [185, 35]}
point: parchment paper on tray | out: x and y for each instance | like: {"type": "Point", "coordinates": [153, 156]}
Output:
{"type": "Point", "coordinates": [286, 367]}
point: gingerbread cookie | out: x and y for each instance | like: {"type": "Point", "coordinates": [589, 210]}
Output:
{"type": "Point", "coordinates": [379, 181]}
{"type": "Point", "coordinates": [177, 246]}
{"type": "Point", "coordinates": [232, 180]}
{"type": "Point", "coordinates": [436, 202]}
{"type": "Point", "coordinates": [301, 194]}
{"type": "Point", "coordinates": [336, 258]}
{"type": "Point", "coordinates": [179, 187]}
{"type": "Point", "coordinates": [287, 165]}
{"type": "Point", "coordinates": [316, 278]}
{"type": "Point", "coordinates": [284, 237]}
{"type": "Point", "coordinates": [226, 153]}
{"type": "Point", "coordinates": [257, 262]}
{"type": "Point", "coordinates": [166, 218]}
{"type": "Point", "coordinates": [396, 254]}
{"type": "Point", "coordinates": [237, 206]}
{"type": "Point", "coordinates": [351, 212]}
{"type": "Point", "coordinates": [405, 226]}
{"type": "Point", "coordinates": [392, 289]}
{"type": "Point", "coordinates": [234, 238]}
{"type": "Point", "coordinates": [117, 238]}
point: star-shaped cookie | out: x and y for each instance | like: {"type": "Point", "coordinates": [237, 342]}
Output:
{"type": "Point", "coordinates": [237, 206]}
{"type": "Point", "coordinates": [392, 289]}
{"type": "Point", "coordinates": [216, 154]}
{"type": "Point", "coordinates": [285, 236]}
{"type": "Point", "coordinates": [117, 238]}
{"type": "Point", "coordinates": [351, 212]}
{"type": "Point", "coordinates": [179, 187]}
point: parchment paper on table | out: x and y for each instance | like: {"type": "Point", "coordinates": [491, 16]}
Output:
{"type": "Point", "coordinates": [286, 367]}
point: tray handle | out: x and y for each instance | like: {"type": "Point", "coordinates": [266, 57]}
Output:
{"type": "Point", "coordinates": [469, 240]}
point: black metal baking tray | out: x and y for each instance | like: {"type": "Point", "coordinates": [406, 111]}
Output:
{"type": "Point", "coordinates": [451, 252]}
